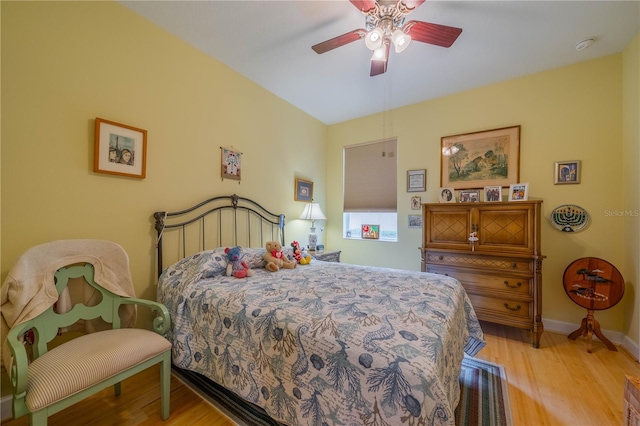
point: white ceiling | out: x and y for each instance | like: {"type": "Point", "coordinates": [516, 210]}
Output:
{"type": "Point", "coordinates": [270, 42]}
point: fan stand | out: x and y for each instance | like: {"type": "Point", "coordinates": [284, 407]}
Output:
{"type": "Point", "coordinates": [588, 328]}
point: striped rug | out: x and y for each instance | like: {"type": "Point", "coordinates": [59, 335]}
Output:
{"type": "Point", "coordinates": [484, 400]}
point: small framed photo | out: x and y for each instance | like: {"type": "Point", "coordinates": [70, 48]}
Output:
{"type": "Point", "coordinates": [519, 192]}
{"type": "Point", "coordinates": [447, 195]}
{"type": "Point", "coordinates": [469, 196]}
{"type": "Point", "coordinates": [416, 180]}
{"type": "Point", "coordinates": [119, 149]}
{"type": "Point", "coordinates": [567, 172]}
{"type": "Point", "coordinates": [492, 193]}
{"type": "Point", "coordinates": [303, 190]}
{"type": "Point", "coordinates": [231, 164]}
{"type": "Point", "coordinates": [415, 221]}
{"type": "Point", "coordinates": [371, 232]}
{"type": "Point", "coordinates": [416, 203]}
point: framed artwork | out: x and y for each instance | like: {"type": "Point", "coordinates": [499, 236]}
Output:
{"type": "Point", "coordinates": [416, 203]}
{"type": "Point", "coordinates": [415, 221]}
{"type": "Point", "coordinates": [469, 196]}
{"type": "Point", "coordinates": [371, 232]}
{"type": "Point", "coordinates": [492, 193]}
{"type": "Point", "coordinates": [231, 163]}
{"type": "Point", "coordinates": [416, 180]}
{"type": "Point", "coordinates": [119, 149]}
{"type": "Point", "coordinates": [476, 160]}
{"type": "Point", "coordinates": [447, 195]}
{"type": "Point", "coordinates": [519, 192]}
{"type": "Point", "coordinates": [303, 190]}
{"type": "Point", "coordinates": [567, 172]}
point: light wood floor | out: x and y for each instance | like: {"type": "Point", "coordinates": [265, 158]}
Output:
{"type": "Point", "coordinates": [557, 384]}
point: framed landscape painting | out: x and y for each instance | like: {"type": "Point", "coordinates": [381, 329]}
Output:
{"type": "Point", "coordinates": [476, 160]}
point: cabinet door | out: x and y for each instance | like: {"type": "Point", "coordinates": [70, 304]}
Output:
{"type": "Point", "coordinates": [447, 226]}
{"type": "Point", "coordinates": [507, 229]}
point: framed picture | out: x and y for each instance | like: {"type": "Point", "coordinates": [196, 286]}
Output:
{"type": "Point", "coordinates": [492, 193]}
{"type": "Point", "coordinates": [567, 172]}
{"type": "Point", "coordinates": [231, 164]}
{"type": "Point", "coordinates": [119, 149]}
{"type": "Point", "coordinates": [415, 221]}
{"type": "Point", "coordinates": [371, 232]}
{"type": "Point", "coordinates": [303, 190]}
{"type": "Point", "coordinates": [416, 203]}
{"type": "Point", "coordinates": [447, 195]}
{"type": "Point", "coordinates": [519, 192]}
{"type": "Point", "coordinates": [469, 196]}
{"type": "Point", "coordinates": [416, 180]}
{"type": "Point", "coordinates": [476, 160]}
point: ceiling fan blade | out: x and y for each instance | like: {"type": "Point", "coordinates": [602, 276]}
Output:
{"type": "Point", "coordinates": [426, 32]}
{"type": "Point", "coordinates": [412, 4]}
{"type": "Point", "coordinates": [364, 5]}
{"type": "Point", "coordinates": [380, 66]}
{"type": "Point", "coordinates": [341, 40]}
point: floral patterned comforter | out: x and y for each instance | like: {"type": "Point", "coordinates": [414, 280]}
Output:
{"type": "Point", "coordinates": [325, 343]}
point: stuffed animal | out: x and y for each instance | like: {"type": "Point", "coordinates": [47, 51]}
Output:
{"type": "Point", "coordinates": [275, 258]}
{"type": "Point", "coordinates": [235, 266]}
{"type": "Point", "coordinates": [299, 254]}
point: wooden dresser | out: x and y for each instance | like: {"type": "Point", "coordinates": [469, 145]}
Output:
{"type": "Point", "coordinates": [502, 270]}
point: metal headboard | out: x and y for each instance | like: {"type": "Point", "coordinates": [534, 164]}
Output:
{"type": "Point", "coordinates": [224, 221]}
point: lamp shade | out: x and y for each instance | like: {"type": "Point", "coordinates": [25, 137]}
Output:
{"type": "Point", "coordinates": [400, 40]}
{"type": "Point", "coordinates": [312, 211]}
{"type": "Point", "coordinates": [374, 39]}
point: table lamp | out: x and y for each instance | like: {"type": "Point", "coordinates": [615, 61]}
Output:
{"type": "Point", "coordinates": [312, 212]}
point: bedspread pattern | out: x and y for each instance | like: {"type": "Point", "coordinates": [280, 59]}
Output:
{"type": "Point", "coordinates": [325, 343]}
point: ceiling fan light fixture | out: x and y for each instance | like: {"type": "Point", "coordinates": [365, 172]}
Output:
{"type": "Point", "coordinates": [400, 40]}
{"type": "Point", "coordinates": [380, 54]}
{"type": "Point", "coordinates": [374, 38]}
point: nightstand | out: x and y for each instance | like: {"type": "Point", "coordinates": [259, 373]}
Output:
{"type": "Point", "coordinates": [327, 256]}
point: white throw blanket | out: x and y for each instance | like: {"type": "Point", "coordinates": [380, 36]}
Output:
{"type": "Point", "coordinates": [29, 289]}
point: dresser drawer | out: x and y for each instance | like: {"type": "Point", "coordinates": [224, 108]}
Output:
{"type": "Point", "coordinates": [500, 307]}
{"type": "Point", "coordinates": [492, 263]}
{"type": "Point", "coordinates": [476, 282]}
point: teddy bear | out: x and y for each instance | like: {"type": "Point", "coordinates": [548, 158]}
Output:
{"type": "Point", "coordinates": [299, 255]}
{"type": "Point", "coordinates": [275, 258]}
{"type": "Point", "coordinates": [236, 267]}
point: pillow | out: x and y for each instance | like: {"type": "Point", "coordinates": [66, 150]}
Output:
{"type": "Point", "coordinates": [253, 257]}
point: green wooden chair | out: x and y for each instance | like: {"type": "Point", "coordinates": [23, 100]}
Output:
{"type": "Point", "coordinates": [57, 378]}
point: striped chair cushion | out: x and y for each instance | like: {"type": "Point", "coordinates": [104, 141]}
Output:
{"type": "Point", "coordinates": [87, 360]}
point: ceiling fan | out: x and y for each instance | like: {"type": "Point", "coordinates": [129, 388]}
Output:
{"type": "Point", "coordinates": [385, 25]}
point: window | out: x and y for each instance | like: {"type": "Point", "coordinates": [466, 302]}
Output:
{"type": "Point", "coordinates": [370, 189]}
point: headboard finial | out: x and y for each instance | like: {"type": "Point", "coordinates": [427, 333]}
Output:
{"type": "Point", "coordinates": [159, 221]}
{"type": "Point", "coordinates": [234, 201]}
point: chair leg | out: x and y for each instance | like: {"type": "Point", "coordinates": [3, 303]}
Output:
{"type": "Point", "coordinates": [117, 388]}
{"type": "Point", "coordinates": [39, 418]}
{"type": "Point", "coordinates": [165, 385]}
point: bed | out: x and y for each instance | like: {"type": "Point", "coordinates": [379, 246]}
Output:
{"type": "Point", "coordinates": [324, 343]}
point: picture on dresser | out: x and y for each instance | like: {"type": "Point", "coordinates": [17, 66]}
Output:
{"type": "Point", "coordinates": [479, 159]}
{"type": "Point", "coordinates": [492, 193]}
{"type": "Point", "coordinates": [519, 192]}
{"type": "Point", "coordinates": [469, 196]}
{"type": "Point", "coordinates": [447, 195]}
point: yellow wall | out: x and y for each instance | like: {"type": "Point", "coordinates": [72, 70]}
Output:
{"type": "Point", "coordinates": [570, 113]}
{"type": "Point", "coordinates": [65, 63]}
{"type": "Point", "coordinates": [631, 185]}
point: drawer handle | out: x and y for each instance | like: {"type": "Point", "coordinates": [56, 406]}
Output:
{"type": "Point", "coordinates": [513, 286]}
{"type": "Point", "coordinates": [514, 265]}
{"type": "Point", "coordinates": [440, 257]}
{"type": "Point", "coordinates": [516, 309]}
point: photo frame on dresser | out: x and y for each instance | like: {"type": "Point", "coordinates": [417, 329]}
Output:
{"type": "Point", "coordinates": [492, 194]}
{"type": "Point", "coordinates": [519, 192]}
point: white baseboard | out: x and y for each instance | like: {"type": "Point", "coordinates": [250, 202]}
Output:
{"type": "Point", "coordinates": [631, 347]}
{"type": "Point", "coordinates": [5, 408]}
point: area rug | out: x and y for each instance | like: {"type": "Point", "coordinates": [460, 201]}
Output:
{"type": "Point", "coordinates": [484, 399]}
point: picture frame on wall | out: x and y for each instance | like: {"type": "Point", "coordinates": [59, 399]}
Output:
{"type": "Point", "coordinates": [417, 180]}
{"type": "Point", "coordinates": [231, 166]}
{"type": "Point", "coordinates": [567, 172]}
{"type": "Point", "coordinates": [370, 232]}
{"type": "Point", "coordinates": [416, 203]}
{"type": "Point", "coordinates": [415, 221]}
{"type": "Point", "coordinates": [479, 159]}
{"type": "Point", "coordinates": [447, 195]}
{"type": "Point", "coordinates": [469, 196]}
{"type": "Point", "coordinates": [303, 190]}
{"type": "Point", "coordinates": [119, 149]}
{"type": "Point", "coordinates": [519, 192]}
{"type": "Point", "coordinates": [492, 194]}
